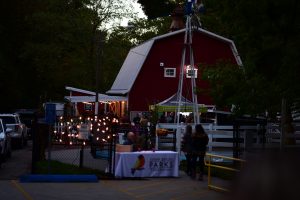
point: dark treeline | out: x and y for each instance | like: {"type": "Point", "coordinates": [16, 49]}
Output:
{"type": "Point", "coordinates": [48, 44]}
{"type": "Point", "coordinates": [44, 45]}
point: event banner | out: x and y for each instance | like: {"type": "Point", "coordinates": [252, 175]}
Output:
{"type": "Point", "coordinates": [147, 164]}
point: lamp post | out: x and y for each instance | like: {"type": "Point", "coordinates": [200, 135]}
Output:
{"type": "Point", "coordinates": [98, 42]}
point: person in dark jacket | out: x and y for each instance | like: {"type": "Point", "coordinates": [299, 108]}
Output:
{"type": "Point", "coordinates": [187, 148]}
{"type": "Point", "coordinates": [199, 143]}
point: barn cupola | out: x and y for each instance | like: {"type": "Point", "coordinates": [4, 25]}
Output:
{"type": "Point", "coordinates": [177, 19]}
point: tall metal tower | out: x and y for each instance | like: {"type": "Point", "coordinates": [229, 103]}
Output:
{"type": "Point", "coordinates": [192, 22]}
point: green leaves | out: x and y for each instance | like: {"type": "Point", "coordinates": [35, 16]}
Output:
{"type": "Point", "coordinates": [267, 36]}
{"type": "Point", "coordinates": [49, 44]}
{"type": "Point", "coordinates": [158, 8]}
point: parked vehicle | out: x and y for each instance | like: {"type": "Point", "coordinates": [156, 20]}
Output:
{"type": "Point", "coordinates": [19, 130]}
{"type": "Point", "coordinates": [27, 116]}
{"type": "Point", "coordinates": [5, 142]}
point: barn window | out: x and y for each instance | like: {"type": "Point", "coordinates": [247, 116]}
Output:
{"type": "Point", "coordinates": [88, 106]}
{"type": "Point", "coordinates": [169, 72]}
{"type": "Point", "coordinates": [191, 72]}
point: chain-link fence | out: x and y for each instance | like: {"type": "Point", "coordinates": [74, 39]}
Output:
{"type": "Point", "coordinates": [86, 144]}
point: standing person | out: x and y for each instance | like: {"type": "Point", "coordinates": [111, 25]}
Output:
{"type": "Point", "coordinates": [187, 148]}
{"type": "Point", "coordinates": [137, 119]}
{"type": "Point", "coordinates": [199, 143]}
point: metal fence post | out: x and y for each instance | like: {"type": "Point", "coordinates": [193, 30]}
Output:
{"type": "Point", "coordinates": [81, 156]}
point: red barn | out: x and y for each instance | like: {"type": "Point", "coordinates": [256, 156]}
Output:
{"type": "Point", "coordinates": [150, 73]}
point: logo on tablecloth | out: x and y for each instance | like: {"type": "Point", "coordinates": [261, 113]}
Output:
{"type": "Point", "coordinates": [159, 164]}
{"type": "Point", "coordinates": [139, 164]}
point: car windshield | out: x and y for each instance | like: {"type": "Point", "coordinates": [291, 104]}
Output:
{"type": "Point", "coordinates": [8, 120]}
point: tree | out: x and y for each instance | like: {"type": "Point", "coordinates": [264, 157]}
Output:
{"type": "Point", "coordinates": [57, 47]}
{"type": "Point", "coordinates": [267, 37]}
{"type": "Point", "coordinates": [158, 8]}
{"type": "Point", "coordinates": [49, 44]}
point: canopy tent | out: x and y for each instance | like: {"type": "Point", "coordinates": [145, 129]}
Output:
{"type": "Point", "coordinates": [171, 105]}
{"type": "Point", "coordinates": [101, 98]}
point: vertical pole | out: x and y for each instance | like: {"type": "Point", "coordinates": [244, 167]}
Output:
{"type": "Point", "coordinates": [180, 86]}
{"type": "Point", "coordinates": [283, 123]}
{"type": "Point", "coordinates": [110, 155]}
{"type": "Point", "coordinates": [49, 148]}
{"type": "Point", "coordinates": [81, 156]}
{"type": "Point", "coordinates": [34, 157]}
{"type": "Point", "coordinates": [208, 171]}
{"type": "Point", "coordinates": [236, 139]}
{"type": "Point", "coordinates": [98, 49]}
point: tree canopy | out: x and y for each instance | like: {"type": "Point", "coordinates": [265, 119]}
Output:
{"type": "Point", "coordinates": [267, 34]}
{"type": "Point", "coordinates": [48, 44]}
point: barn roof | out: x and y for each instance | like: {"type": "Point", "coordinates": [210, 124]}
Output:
{"type": "Point", "coordinates": [137, 56]}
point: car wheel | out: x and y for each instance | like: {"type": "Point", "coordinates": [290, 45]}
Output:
{"type": "Point", "coordinates": [21, 142]}
{"type": "Point", "coordinates": [8, 151]}
{"type": "Point", "coordinates": [24, 141]}
{"type": "Point", "coordinates": [8, 154]}
{"type": "Point", "coordinates": [2, 159]}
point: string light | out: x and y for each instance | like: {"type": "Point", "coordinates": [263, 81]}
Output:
{"type": "Point", "coordinates": [72, 129]}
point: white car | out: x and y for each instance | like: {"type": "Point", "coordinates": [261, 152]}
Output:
{"type": "Point", "coordinates": [5, 142]}
{"type": "Point", "coordinates": [19, 130]}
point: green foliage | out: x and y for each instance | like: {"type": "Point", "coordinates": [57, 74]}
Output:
{"type": "Point", "coordinates": [58, 47]}
{"type": "Point", "coordinates": [231, 86]}
{"type": "Point", "coordinates": [267, 35]}
{"type": "Point", "coordinates": [158, 8]}
{"type": "Point", "coordinates": [49, 44]}
{"type": "Point", "coordinates": [141, 30]}
{"type": "Point", "coordinates": [56, 167]}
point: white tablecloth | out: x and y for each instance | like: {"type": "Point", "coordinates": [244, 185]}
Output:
{"type": "Point", "coordinates": [146, 164]}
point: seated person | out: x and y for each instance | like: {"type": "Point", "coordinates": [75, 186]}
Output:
{"type": "Point", "coordinates": [130, 139]}
{"type": "Point", "coordinates": [134, 140]}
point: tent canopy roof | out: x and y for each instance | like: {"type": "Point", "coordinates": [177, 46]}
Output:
{"type": "Point", "coordinates": [170, 105]}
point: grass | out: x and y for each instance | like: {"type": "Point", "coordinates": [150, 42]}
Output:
{"type": "Point", "coordinates": [56, 167]}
